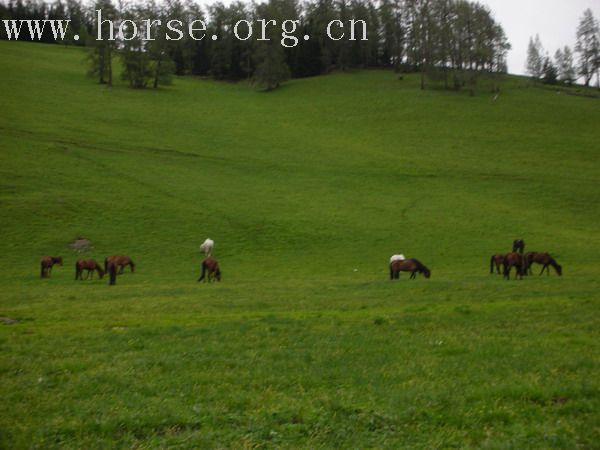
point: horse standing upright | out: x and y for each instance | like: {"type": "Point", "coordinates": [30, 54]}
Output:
{"type": "Point", "coordinates": [211, 266]}
{"type": "Point", "coordinates": [111, 269]}
{"type": "Point", "coordinates": [207, 247]}
{"type": "Point", "coordinates": [90, 265]}
{"type": "Point", "coordinates": [519, 245]}
{"type": "Point", "coordinates": [46, 264]}
{"type": "Point", "coordinates": [409, 265]}
{"type": "Point", "coordinates": [542, 258]}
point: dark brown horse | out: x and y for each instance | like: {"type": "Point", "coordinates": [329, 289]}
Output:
{"type": "Point", "coordinates": [111, 268]}
{"type": "Point", "coordinates": [519, 245]}
{"type": "Point", "coordinates": [496, 260]}
{"type": "Point", "coordinates": [121, 261]}
{"type": "Point", "coordinates": [542, 258]}
{"type": "Point", "coordinates": [90, 265]}
{"type": "Point", "coordinates": [408, 265]}
{"type": "Point", "coordinates": [516, 260]}
{"type": "Point", "coordinates": [47, 262]}
{"type": "Point", "coordinates": [211, 266]}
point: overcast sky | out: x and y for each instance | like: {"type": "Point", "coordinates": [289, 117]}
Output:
{"type": "Point", "coordinates": [554, 20]}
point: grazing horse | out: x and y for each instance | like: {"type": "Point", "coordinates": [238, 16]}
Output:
{"type": "Point", "coordinates": [207, 247]}
{"type": "Point", "coordinates": [518, 245]}
{"type": "Point", "coordinates": [212, 266]}
{"type": "Point", "coordinates": [47, 262]}
{"type": "Point", "coordinates": [516, 260]}
{"type": "Point", "coordinates": [542, 258]}
{"type": "Point", "coordinates": [121, 261]}
{"type": "Point", "coordinates": [408, 265]}
{"type": "Point", "coordinates": [90, 265]}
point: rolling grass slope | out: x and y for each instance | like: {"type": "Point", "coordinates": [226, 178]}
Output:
{"type": "Point", "coordinates": [307, 191]}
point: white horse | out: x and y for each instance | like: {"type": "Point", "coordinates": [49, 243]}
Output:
{"type": "Point", "coordinates": [397, 258]}
{"type": "Point", "coordinates": [207, 246]}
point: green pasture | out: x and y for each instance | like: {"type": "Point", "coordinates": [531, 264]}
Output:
{"type": "Point", "coordinates": [307, 191]}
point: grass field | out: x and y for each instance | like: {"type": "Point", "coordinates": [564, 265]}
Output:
{"type": "Point", "coordinates": [307, 191]}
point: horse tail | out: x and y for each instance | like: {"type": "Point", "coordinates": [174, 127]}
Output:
{"type": "Point", "coordinates": [391, 272]}
{"type": "Point", "coordinates": [492, 260]}
{"type": "Point", "coordinates": [42, 266]}
{"type": "Point", "coordinates": [106, 264]}
{"type": "Point", "coordinates": [132, 265]}
{"type": "Point", "coordinates": [77, 270]}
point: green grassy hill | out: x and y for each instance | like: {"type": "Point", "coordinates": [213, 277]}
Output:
{"type": "Point", "coordinates": [307, 191]}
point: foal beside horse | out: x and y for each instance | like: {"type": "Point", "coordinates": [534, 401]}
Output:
{"type": "Point", "coordinates": [408, 265]}
{"type": "Point", "coordinates": [47, 262]}
{"type": "Point", "coordinates": [90, 265]}
{"type": "Point", "coordinates": [212, 266]}
{"type": "Point", "coordinates": [542, 258]}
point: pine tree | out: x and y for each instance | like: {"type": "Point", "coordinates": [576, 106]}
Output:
{"type": "Point", "coordinates": [535, 60]}
{"type": "Point", "coordinates": [101, 52]}
{"type": "Point", "coordinates": [588, 47]}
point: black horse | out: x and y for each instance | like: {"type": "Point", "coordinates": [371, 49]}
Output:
{"type": "Point", "coordinates": [519, 245]}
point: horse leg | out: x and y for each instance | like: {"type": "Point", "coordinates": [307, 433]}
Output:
{"type": "Point", "coordinates": [203, 273]}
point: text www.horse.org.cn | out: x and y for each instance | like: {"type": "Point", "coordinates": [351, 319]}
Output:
{"type": "Point", "coordinates": [242, 30]}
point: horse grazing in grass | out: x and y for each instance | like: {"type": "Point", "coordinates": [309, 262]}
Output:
{"type": "Point", "coordinates": [518, 245]}
{"type": "Point", "coordinates": [47, 262]}
{"type": "Point", "coordinates": [408, 265]}
{"type": "Point", "coordinates": [211, 266]}
{"type": "Point", "coordinates": [90, 265]}
{"type": "Point", "coordinates": [542, 258]}
{"type": "Point", "coordinates": [121, 261]}
{"type": "Point", "coordinates": [207, 247]}
{"type": "Point", "coordinates": [496, 260]}
{"type": "Point", "coordinates": [516, 260]}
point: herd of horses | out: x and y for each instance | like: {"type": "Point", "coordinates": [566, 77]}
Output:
{"type": "Point", "coordinates": [115, 265]}
{"type": "Point", "coordinates": [522, 261]}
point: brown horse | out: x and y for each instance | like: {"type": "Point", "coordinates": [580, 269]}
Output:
{"type": "Point", "coordinates": [90, 265]}
{"type": "Point", "coordinates": [496, 260]}
{"type": "Point", "coordinates": [516, 260]}
{"type": "Point", "coordinates": [542, 258]}
{"type": "Point", "coordinates": [47, 262]}
{"type": "Point", "coordinates": [212, 266]}
{"type": "Point", "coordinates": [121, 261]}
{"type": "Point", "coordinates": [408, 265]}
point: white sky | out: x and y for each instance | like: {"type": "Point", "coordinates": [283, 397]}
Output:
{"type": "Point", "coordinates": [554, 20]}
